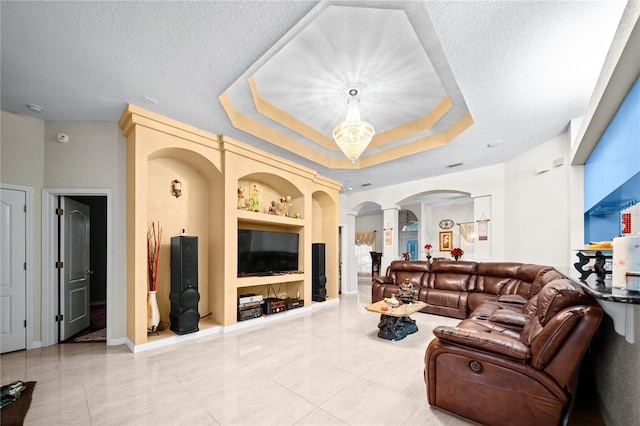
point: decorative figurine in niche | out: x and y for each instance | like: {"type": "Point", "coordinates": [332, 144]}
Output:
{"type": "Point", "coordinates": [281, 206]}
{"type": "Point", "coordinates": [287, 204]}
{"type": "Point", "coordinates": [254, 194]}
{"type": "Point", "coordinates": [272, 208]}
{"type": "Point", "coordinates": [405, 292]}
{"type": "Point", "coordinates": [242, 202]}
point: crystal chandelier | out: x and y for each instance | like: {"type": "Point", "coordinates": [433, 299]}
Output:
{"type": "Point", "coordinates": [353, 135]}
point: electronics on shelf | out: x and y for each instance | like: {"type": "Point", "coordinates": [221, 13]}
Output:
{"type": "Point", "coordinates": [273, 305]}
{"type": "Point", "coordinates": [292, 303]}
{"type": "Point", "coordinates": [249, 306]}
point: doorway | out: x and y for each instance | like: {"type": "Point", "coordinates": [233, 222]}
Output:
{"type": "Point", "coordinates": [101, 258]}
{"type": "Point", "coordinates": [94, 328]}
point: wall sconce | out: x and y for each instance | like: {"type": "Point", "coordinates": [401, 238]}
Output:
{"type": "Point", "coordinates": [176, 188]}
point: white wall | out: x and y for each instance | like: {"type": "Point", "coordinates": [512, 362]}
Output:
{"type": "Point", "coordinates": [477, 182]}
{"type": "Point", "coordinates": [22, 163]}
{"type": "Point", "coordinates": [538, 205]}
{"type": "Point", "coordinates": [459, 213]}
{"type": "Point", "coordinates": [534, 218]}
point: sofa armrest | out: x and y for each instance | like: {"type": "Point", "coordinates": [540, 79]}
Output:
{"type": "Point", "coordinates": [512, 299]}
{"type": "Point", "coordinates": [383, 279]}
{"type": "Point", "coordinates": [490, 342]}
{"type": "Point", "coordinates": [509, 317]}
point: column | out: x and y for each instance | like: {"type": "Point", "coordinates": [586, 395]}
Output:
{"type": "Point", "coordinates": [349, 265]}
{"type": "Point", "coordinates": [390, 251]}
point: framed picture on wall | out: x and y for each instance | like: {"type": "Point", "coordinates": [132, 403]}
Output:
{"type": "Point", "coordinates": [446, 239]}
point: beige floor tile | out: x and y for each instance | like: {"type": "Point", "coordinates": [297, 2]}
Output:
{"type": "Point", "coordinates": [319, 417]}
{"type": "Point", "coordinates": [365, 402]}
{"type": "Point", "coordinates": [323, 367]}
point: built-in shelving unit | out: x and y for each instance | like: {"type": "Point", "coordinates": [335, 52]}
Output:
{"type": "Point", "coordinates": [211, 169]}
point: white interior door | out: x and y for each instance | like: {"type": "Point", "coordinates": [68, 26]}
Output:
{"type": "Point", "coordinates": [76, 274]}
{"type": "Point", "coordinates": [13, 273]}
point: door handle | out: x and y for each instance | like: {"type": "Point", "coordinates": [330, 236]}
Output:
{"type": "Point", "coordinates": [90, 272]}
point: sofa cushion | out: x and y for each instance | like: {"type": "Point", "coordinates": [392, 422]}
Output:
{"type": "Point", "coordinates": [459, 267]}
{"type": "Point", "coordinates": [493, 276]}
{"type": "Point", "coordinates": [449, 299]}
{"type": "Point", "coordinates": [509, 317]}
{"type": "Point", "coordinates": [544, 277]}
{"type": "Point", "coordinates": [453, 275]}
{"type": "Point", "coordinates": [558, 295]}
{"type": "Point", "coordinates": [400, 270]}
{"type": "Point", "coordinates": [476, 300]}
{"type": "Point", "coordinates": [487, 341]}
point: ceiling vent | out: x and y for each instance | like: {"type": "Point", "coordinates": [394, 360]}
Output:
{"type": "Point", "coordinates": [451, 166]}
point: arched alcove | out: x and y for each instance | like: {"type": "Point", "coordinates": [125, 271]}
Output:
{"type": "Point", "coordinates": [443, 214]}
{"type": "Point", "coordinates": [189, 212]}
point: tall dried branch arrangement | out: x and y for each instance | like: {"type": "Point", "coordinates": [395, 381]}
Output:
{"type": "Point", "coordinates": [154, 238]}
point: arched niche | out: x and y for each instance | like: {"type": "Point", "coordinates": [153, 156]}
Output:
{"type": "Point", "coordinates": [195, 212]}
{"type": "Point", "coordinates": [324, 229]}
{"type": "Point", "coordinates": [271, 188]}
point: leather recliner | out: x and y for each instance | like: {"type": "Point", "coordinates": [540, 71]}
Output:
{"type": "Point", "coordinates": [514, 362]}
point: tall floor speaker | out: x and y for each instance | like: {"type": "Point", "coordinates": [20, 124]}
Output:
{"type": "Point", "coordinates": [318, 277]}
{"type": "Point", "coordinates": [184, 296]}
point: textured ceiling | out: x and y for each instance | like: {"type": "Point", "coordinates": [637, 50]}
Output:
{"type": "Point", "coordinates": [521, 69]}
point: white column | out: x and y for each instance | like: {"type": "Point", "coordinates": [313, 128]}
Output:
{"type": "Point", "coordinates": [482, 206]}
{"type": "Point", "coordinates": [349, 265]}
{"type": "Point", "coordinates": [390, 251]}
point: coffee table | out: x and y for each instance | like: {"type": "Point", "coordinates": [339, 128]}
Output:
{"type": "Point", "coordinates": [395, 323]}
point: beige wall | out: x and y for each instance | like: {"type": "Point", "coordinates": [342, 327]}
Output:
{"type": "Point", "coordinates": [22, 157]}
{"type": "Point", "coordinates": [189, 212]}
{"type": "Point", "coordinates": [94, 158]}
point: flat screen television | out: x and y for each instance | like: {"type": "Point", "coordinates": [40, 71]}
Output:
{"type": "Point", "coordinates": [266, 252]}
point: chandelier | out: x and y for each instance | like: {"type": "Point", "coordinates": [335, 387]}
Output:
{"type": "Point", "coordinates": [353, 135]}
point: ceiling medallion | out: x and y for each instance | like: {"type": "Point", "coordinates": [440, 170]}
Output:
{"type": "Point", "coordinates": [353, 135]}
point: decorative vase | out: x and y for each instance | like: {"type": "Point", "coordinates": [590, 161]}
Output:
{"type": "Point", "coordinates": [456, 257]}
{"type": "Point", "coordinates": [428, 258]}
{"type": "Point", "coordinates": [153, 312]}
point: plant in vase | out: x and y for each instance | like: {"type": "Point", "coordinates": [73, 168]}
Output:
{"type": "Point", "coordinates": [427, 250]}
{"type": "Point", "coordinates": [154, 239]}
{"type": "Point", "coordinates": [406, 255]}
{"type": "Point", "coordinates": [457, 253]}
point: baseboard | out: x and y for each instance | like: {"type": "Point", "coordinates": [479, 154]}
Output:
{"type": "Point", "coordinates": [220, 329]}
{"type": "Point", "coordinates": [118, 341]}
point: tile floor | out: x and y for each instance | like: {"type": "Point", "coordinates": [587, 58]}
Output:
{"type": "Point", "coordinates": [325, 367]}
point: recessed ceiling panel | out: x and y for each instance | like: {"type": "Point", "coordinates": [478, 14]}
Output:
{"type": "Point", "coordinates": [296, 93]}
{"type": "Point", "coordinates": [374, 50]}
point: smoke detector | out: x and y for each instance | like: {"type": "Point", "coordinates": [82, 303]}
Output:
{"type": "Point", "coordinates": [62, 138]}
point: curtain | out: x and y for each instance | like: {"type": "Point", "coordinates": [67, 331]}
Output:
{"type": "Point", "coordinates": [467, 234]}
{"type": "Point", "coordinates": [363, 259]}
{"type": "Point", "coordinates": [365, 243]}
{"type": "Point", "coordinates": [366, 238]}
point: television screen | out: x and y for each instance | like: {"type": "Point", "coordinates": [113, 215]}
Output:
{"type": "Point", "coordinates": [266, 252]}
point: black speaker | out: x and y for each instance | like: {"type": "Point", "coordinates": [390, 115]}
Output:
{"type": "Point", "coordinates": [184, 296]}
{"type": "Point", "coordinates": [318, 278]}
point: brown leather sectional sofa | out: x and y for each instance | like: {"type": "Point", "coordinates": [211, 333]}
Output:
{"type": "Point", "coordinates": [515, 356]}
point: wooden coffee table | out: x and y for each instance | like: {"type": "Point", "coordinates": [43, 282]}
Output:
{"type": "Point", "coordinates": [395, 323]}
